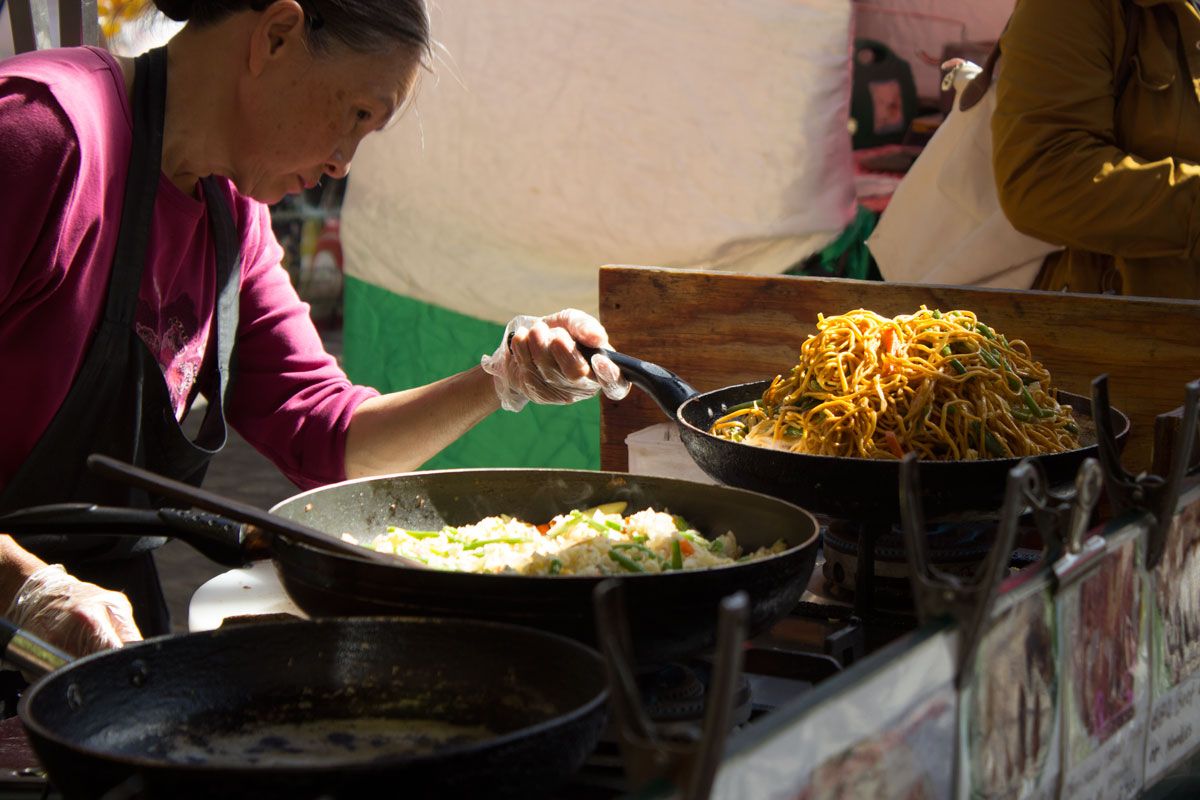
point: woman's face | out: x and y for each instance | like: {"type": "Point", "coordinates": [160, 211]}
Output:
{"type": "Point", "coordinates": [303, 115]}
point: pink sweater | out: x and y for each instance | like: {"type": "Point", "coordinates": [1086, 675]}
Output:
{"type": "Point", "coordinates": [65, 137]}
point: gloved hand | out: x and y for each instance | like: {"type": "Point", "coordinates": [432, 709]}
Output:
{"type": "Point", "coordinates": [78, 617]}
{"type": "Point", "coordinates": [537, 361]}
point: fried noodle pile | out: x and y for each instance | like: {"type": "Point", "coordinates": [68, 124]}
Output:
{"type": "Point", "coordinates": [943, 385]}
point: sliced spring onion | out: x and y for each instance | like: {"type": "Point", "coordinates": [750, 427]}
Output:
{"type": "Point", "coordinates": [502, 540]}
{"type": "Point", "coordinates": [627, 563]}
{"type": "Point", "coordinates": [641, 548]}
{"type": "Point", "coordinates": [676, 555]}
{"type": "Point", "coordinates": [565, 524]}
{"type": "Point", "coordinates": [1032, 405]}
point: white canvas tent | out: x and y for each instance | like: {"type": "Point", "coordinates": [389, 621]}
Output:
{"type": "Point", "coordinates": [556, 137]}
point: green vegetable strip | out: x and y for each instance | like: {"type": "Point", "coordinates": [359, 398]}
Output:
{"type": "Point", "coordinates": [1013, 381]}
{"type": "Point", "coordinates": [676, 555]}
{"type": "Point", "coordinates": [742, 406]}
{"type": "Point", "coordinates": [985, 330]}
{"type": "Point", "coordinates": [991, 444]}
{"type": "Point", "coordinates": [565, 524]}
{"type": "Point", "coordinates": [1021, 414]}
{"type": "Point", "coordinates": [448, 531]}
{"type": "Point", "coordinates": [555, 567]}
{"type": "Point", "coordinates": [641, 548]}
{"type": "Point", "coordinates": [421, 534]}
{"type": "Point", "coordinates": [1032, 405]}
{"type": "Point", "coordinates": [958, 366]}
{"type": "Point", "coordinates": [681, 524]}
{"type": "Point", "coordinates": [502, 540]}
{"type": "Point", "coordinates": [627, 563]}
{"type": "Point", "coordinates": [591, 523]}
{"type": "Point", "coordinates": [616, 526]}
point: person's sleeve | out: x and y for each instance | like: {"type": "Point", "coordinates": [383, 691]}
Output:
{"type": "Point", "coordinates": [1060, 175]}
{"type": "Point", "coordinates": [290, 400]}
{"type": "Point", "coordinates": [39, 161]}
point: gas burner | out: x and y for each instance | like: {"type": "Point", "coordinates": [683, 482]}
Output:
{"type": "Point", "coordinates": [676, 692]}
{"type": "Point", "coordinates": [956, 548]}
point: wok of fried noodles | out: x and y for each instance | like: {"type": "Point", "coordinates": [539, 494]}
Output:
{"type": "Point", "coordinates": [944, 385]}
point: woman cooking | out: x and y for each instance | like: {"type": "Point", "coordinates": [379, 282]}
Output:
{"type": "Point", "coordinates": [138, 269]}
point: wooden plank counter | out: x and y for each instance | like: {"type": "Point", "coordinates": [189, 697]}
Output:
{"type": "Point", "coordinates": [715, 329]}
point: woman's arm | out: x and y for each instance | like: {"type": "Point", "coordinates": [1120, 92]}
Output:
{"type": "Point", "coordinates": [16, 564]}
{"type": "Point", "coordinates": [45, 600]}
{"type": "Point", "coordinates": [1060, 173]}
{"type": "Point", "coordinates": [536, 359]}
{"type": "Point", "coordinates": [399, 432]}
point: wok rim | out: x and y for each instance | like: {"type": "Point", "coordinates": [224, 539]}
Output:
{"type": "Point", "coordinates": [810, 517]}
{"type": "Point", "coordinates": [698, 400]}
{"type": "Point", "coordinates": [594, 704]}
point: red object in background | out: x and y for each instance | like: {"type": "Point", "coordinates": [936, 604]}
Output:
{"type": "Point", "coordinates": [889, 161]}
{"type": "Point", "coordinates": [330, 241]}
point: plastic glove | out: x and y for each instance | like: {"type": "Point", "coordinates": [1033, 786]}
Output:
{"type": "Point", "coordinates": [537, 361]}
{"type": "Point", "coordinates": [78, 617]}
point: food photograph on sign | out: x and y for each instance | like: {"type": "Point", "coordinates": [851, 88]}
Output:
{"type": "Point", "coordinates": [1012, 701]}
{"type": "Point", "coordinates": [1104, 650]}
{"type": "Point", "coordinates": [1176, 617]}
{"type": "Point", "coordinates": [894, 764]}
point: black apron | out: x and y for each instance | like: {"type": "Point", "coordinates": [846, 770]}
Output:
{"type": "Point", "coordinates": [119, 404]}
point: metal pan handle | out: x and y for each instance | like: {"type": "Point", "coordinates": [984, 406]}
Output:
{"type": "Point", "coordinates": [242, 512]}
{"type": "Point", "coordinates": [28, 653]}
{"type": "Point", "coordinates": [666, 388]}
{"type": "Point", "coordinates": [217, 538]}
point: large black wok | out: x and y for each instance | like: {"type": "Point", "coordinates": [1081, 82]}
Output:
{"type": "Point", "coordinates": [345, 708]}
{"type": "Point", "coordinates": [672, 614]}
{"type": "Point", "coordinates": [862, 489]}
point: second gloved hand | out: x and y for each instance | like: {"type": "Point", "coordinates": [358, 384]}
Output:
{"type": "Point", "coordinates": [76, 616]}
{"type": "Point", "coordinates": [537, 360]}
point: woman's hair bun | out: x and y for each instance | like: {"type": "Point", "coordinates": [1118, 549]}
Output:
{"type": "Point", "coordinates": [178, 10]}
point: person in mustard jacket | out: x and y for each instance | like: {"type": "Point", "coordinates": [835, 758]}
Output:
{"type": "Point", "coordinates": [1115, 180]}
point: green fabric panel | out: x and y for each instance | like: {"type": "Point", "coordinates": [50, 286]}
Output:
{"type": "Point", "coordinates": [393, 342]}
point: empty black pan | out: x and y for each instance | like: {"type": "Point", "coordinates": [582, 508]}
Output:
{"type": "Point", "coordinates": [672, 614]}
{"type": "Point", "coordinates": [860, 489]}
{"type": "Point", "coordinates": [337, 708]}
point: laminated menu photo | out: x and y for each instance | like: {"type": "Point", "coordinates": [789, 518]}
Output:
{"type": "Point", "coordinates": [883, 729]}
{"type": "Point", "coordinates": [1175, 643]}
{"type": "Point", "coordinates": [1104, 636]}
{"type": "Point", "coordinates": [1009, 721]}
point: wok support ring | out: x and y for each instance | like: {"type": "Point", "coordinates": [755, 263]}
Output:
{"type": "Point", "coordinates": [681, 754]}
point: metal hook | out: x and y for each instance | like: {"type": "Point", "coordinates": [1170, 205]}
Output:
{"type": "Point", "coordinates": [1181, 458]}
{"type": "Point", "coordinates": [938, 594]}
{"type": "Point", "coordinates": [680, 753]}
{"type": "Point", "coordinates": [1089, 482]}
